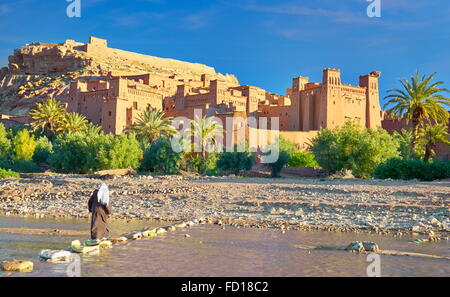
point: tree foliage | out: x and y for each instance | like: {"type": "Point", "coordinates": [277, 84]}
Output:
{"type": "Point", "coordinates": [151, 125]}
{"type": "Point", "coordinates": [47, 117]}
{"type": "Point", "coordinates": [159, 157]}
{"type": "Point", "coordinates": [5, 142]}
{"type": "Point", "coordinates": [413, 169]}
{"type": "Point", "coordinates": [419, 101]}
{"type": "Point", "coordinates": [72, 122]}
{"type": "Point", "coordinates": [430, 136]}
{"type": "Point", "coordinates": [236, 161]}
{"type": "Point", "coordinates": [23, 145]}
{"type": "Point", "coordinates": [44, 149]}
{"type": "Point", "coordinates": [83, 153]}
{"type": "Point", "coordinates": [207, 130]}
{"type": "Point", "coordinates": [353, 148]}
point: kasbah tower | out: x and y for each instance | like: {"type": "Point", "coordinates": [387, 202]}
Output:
{"type": "Point", "coordinates": [115, 100]}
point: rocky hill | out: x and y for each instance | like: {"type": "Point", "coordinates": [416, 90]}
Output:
{"type": "Point", "coordinates": [41, 70]}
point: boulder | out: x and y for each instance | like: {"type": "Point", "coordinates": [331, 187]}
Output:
{"type": "Point", "coordinates": [134, 236]}
{"type": "Point", "coordinates": [118, 239]}
{"type": "Point", "coordinates": [105, 244]}
{"type": "Point", "coordinates": [17, 266]}
{"type": "Point", "coordinates": [54, 255]}
{"type": "Point", "coordinates": [161, 231]}
{"type": "Point", "coordinates": [363, 247]}
{"type": "Point", "coordinates": [370, 246]}
{"type": "Point", "coordinates": [355, 246]}
{"type": "Point", "coordinates": [149, 233]}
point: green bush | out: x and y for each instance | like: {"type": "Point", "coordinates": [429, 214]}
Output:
{"type": "Point", "coordinates": [277, 166]}
{"type": "Point", "coordinates": [297, 158]}
{"type": "Point", "coordinates": [76, 152]}
{"type": "Point", "coordinates": [303, 159]}
{"type": "Point", "coordinates": [22, 166]}
{"type": "Point", "coordinates": [5, 142]}
{"type": "Point", "coordinates": [201, 165]}
{"type": "Point", "coordinates": [287, 146]}
{"type": "Point", "coordinates": [25, 166]}
{"type": "Point", "coordinates": [235, 161]}
{"type": "Point", "coordinates": [404, 139]}
{"type": "Point", "coordinates": [354, 148]}
{"type": "Point", "coordinates": [119, 152]}
{"type": "Point", "coordinates": [23, 145]}
{"type": "Point", "coordinates": [413, 169]}
{"type": "Point", "coordinates": [5, 173]}
{"type": "Point", "coordinates": [88, 152]}
{"type": "Point", "coordinates": [159, 157]}
{"type": "Point", "coordinates": [44, 149]}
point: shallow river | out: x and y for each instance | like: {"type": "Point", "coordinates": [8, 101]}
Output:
{"type": "Point", "coordinates": [213, 251]}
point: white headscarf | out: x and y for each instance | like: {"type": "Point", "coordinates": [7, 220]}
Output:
{"type": "Point", "coordinates": [103, 194]}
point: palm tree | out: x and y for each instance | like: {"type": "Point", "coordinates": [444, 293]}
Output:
{"type": "Point", "coordinates": [92, 129]}
{"type": "Point", "coordinates": [207, 130]}
{"type": "Point", "coordinates": [151, 124]}
{"type": "Point", "coordinates": [73, 122]}
{"type": "Point", "coordinates": [419, 101]}
{"type": "Point", "coordinates": [47, 117]}
{"type": "Point", "coordinates": [404, 137]}
{"type": "Point", "coordinates": [432, 135]}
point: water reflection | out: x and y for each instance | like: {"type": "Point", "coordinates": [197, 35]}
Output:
{"type": "Point", "coordinates": [212, 251]}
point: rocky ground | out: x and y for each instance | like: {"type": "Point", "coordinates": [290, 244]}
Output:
{"type": "Point", "coordinates": [292, 203]}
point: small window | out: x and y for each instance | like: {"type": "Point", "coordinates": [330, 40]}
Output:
{"type": "Point", "coordinates": [110, 113]}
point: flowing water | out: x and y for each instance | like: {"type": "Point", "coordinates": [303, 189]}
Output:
{"type": "Point", "coordinates": [213, 251]}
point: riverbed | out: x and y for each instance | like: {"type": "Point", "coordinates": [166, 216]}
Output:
{"type": "Point", "coordinates": [213, 250]}
{"type": "Point", "coordinates": [379, 206]}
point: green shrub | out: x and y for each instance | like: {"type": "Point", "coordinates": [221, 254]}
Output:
{"type": "Point", "coordinates": [5, 142]}
{"type": "Point", "coordinates": [201, 165]}
{"type": "Point", "coordinates": [22, 166]}
{"type": "Point", "coordinates": [235, 161]}
{"type": "Point", "coordinates": [44, 149]}
{"type": "Point", "coordinates": [23, 145]}
{"type": "Point", "coordinates": [159, 157]}
{"type": "Point", "coordinates": [287, 146]}
{"type": "Point", "coordinates": [76, 152]}
{"type": "Point", "coordinates": [25, 166]}
{"type": "Point", "coordinates": [277, 166]}
{"type": "Point", "coordinates": [5, 173]}
{"type": "Point", "coordinates": [413, 169]}
{"type": "Point", "coordinates": [353, 148]}
{"type": "Point", "coordinates": [286, 150]}
{"type": "Point", "coordinates": [303, 159]}
{"type": "Point", "coordinates": [404, 139]}
{"type": "Point", "coordinates": [297, 158]}
{"type": "Point", "coordinates": [87, 152]}
{"type": "Point", "coordinates": [119, 152]}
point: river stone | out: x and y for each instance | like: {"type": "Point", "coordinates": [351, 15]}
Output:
{"type": "Point", "coordinates": [434, 222]}
{"type": "Point", "coordinates": [370, 246]}
{"type": "Point", "coordinates": [118, 239]}
{"type": "Point", "coordinates": [355, 246]}
{"type": "Point", "coordinates": [17, 266]}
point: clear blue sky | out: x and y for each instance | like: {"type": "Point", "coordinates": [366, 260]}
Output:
{"type": "Point", "coordinates": [264, 43]}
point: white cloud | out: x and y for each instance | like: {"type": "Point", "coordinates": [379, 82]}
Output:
{"type": "Point", "coordinates": [200, 19]}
